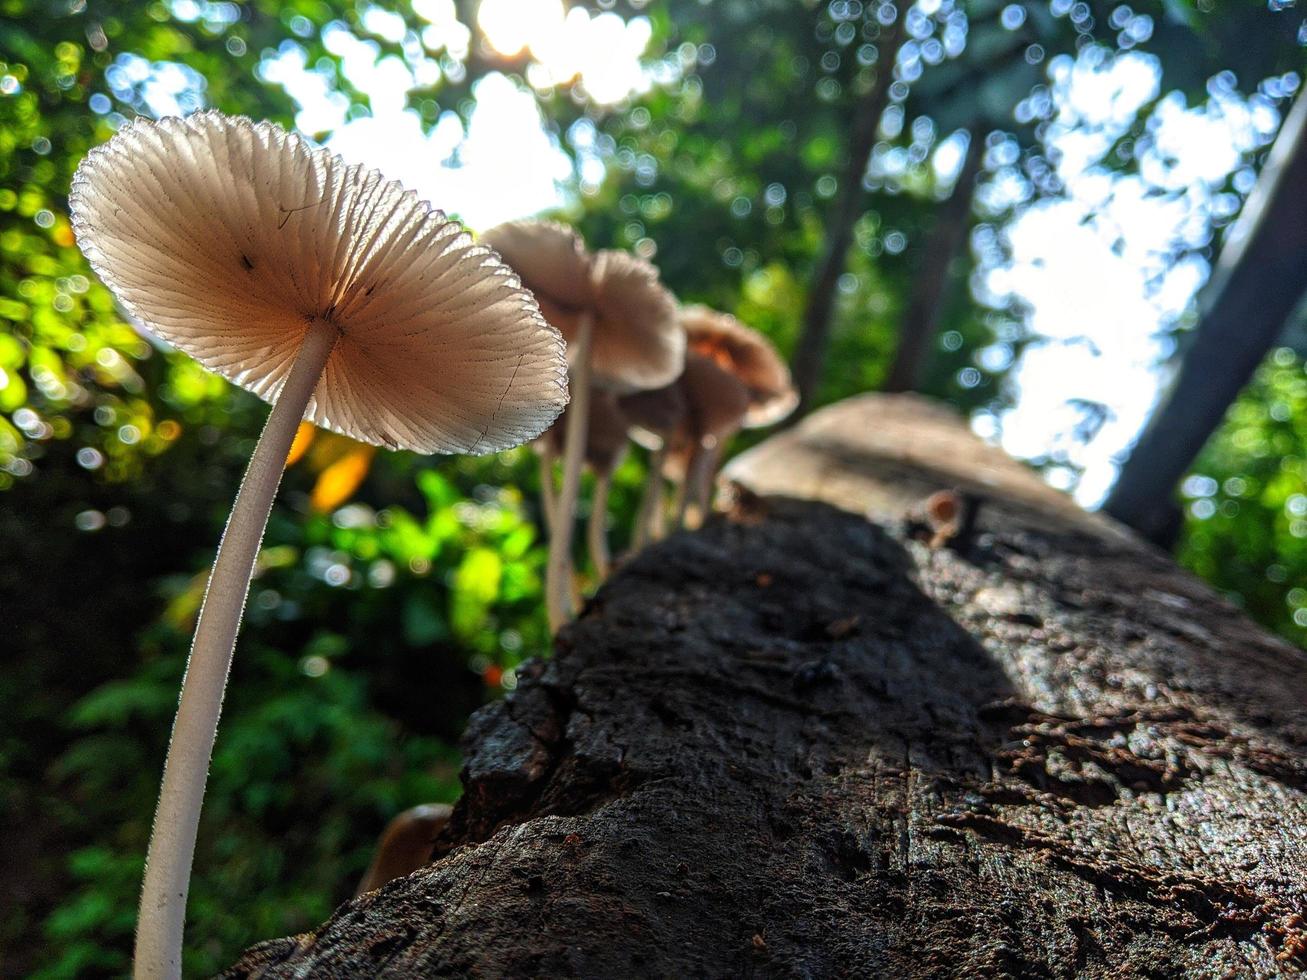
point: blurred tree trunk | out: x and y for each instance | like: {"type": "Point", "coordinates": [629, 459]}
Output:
{"type": "Point", "coordinates": [802, 743]}
{"type": "Point", "coordinates": [814, 339]}
{"type": "Point", "coordinates": [1258, 282]}
{"type": "Point", "coordinates": [931, 282]}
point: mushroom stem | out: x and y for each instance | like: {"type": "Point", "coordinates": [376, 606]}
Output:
{"type": "Point", "coordinates": [648, 523]}
{"type": "Point", "coordinates": [681, 498]}
{"type": "Point", "coordinates": [706, 466]}
{"type": "Point", "coordinates": [658, 519]}
{"type": "Point", "coordinates": [162, 913]}
{"type": "Point", "coordinates": [558, 571]}
{"type": "Point", "coordinates": [548, 495]}
{"type": "Point", "coordinates": [597, 529]}
{"type": "Point", "coordinates": [695, 487]}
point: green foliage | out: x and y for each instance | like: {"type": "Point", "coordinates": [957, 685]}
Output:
{"type": "Point", "coordinates": [301, 766]}
{"type": "Point", "coordinates": [1246, 501]}
{"type": "Point", "coordinates": [371, 634]}
{"type": "Point", "coordinates": [70, 369]}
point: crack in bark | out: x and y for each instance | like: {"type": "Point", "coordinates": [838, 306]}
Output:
{"type": "Point", "coordinates": [1222, 908]}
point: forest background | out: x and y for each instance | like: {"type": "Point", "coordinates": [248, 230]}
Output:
{"type": "Point", "coordinates": [1008, 206]}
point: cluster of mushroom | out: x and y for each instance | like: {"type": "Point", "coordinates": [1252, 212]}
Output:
{"type": "Point", "coordinates": [679, 381]}
{"type": "Point", "coordinates": [344, 299]}
{"type": "Point", "coordinates": [337, 295]}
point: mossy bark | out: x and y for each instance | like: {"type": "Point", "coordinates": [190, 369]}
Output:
{"type": "Point", "coordinates": [803, 742]}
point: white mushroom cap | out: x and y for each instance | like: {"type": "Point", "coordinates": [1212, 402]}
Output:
{"type": "Point", "coordinates": [228, 238]}
{"type": "Point", "coordinates": [638, 343]}
{"type": "Point", "coordinates": [550, 258]}
{"type": "Point", "coordinates": [748, 355]}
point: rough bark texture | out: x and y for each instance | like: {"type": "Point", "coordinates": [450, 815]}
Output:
{"type": "Point", "coordinates": [801, 742]}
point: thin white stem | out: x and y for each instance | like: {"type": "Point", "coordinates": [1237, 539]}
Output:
{"type": "Point", "coordinates": [681, 497]}
{"type": "Point", "coordinates": [162, 914]}
{"type": "Point", "coordinates": [647, 523]}
{"type": "Point", "coordinates": [598, 526]}
{"type": "Point", "coordinates": [548, 493]}
{"type": "Point", "coordinates": [691, 511]}
{"type": "Point", "coordinates": [578, 598]}
{"type": "Point", "coordinates": [658, 519]}
{"type": "Point", "coordinates": [706, 466]}
{"type": "Point", "coordinates": [559, 571]}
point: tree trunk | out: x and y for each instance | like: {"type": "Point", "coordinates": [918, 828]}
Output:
{"type": "Point", "coordinates": [802, 742]}
{"type": "Point", "coordinates": [1258, 282]}
{"type": "Point", "coordinates": [930, 284]}
{"type": "Point", "coordinates": [810, 355]}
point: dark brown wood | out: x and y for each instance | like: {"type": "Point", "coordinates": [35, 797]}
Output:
{"type": "Point", "coordinates": [803, 742]}
{"type": "Point", "coordinates": [814, 339]}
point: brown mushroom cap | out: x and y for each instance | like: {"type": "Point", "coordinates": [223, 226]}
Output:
{"type": "Point", "coordinates": [637, 342]}
{"type": "Point", "coordinates": [716, 404]}
{"type": "Point", "coordinates": [654, 415]}
{"type": "Point", "coordinates": [606, 435]}
{"type": "Point", "coordinates": [228, 238]}
{"type": "Point", "coordinates": [749, 356]}
{"type": "Point", "coordinates": [715, 398]}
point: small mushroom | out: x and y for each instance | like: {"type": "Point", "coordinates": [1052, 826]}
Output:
{"type": "Point", "coordinates": [656, 417]}
{"type": "Point", "coordinates": [553, 263]}
{"type": "Point", "coordinates": [748, 355]}
{"type": "Point", "coordinates": [752, 360]}
{"type": "Point", "coordinates": [405, 845]}
{"type": "Point", "coordinates": [716, 405]}
{"type": "Point", "coordinates": [336, 295]}
{"type": "Point", "coordinates": [605, 446]}
{"type": "Point", "coordinates": [622, 334]}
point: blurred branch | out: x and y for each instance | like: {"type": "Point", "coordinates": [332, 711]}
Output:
{"type": "Point", "coordinates": [810, 356]}
{"type": "Point", "coordinates": [1258, 281]}
{"type": "Point", "coordinates": [930, 285]}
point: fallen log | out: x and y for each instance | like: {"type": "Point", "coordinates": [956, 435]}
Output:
{"type": "Point", "coordinates": [808, 741]}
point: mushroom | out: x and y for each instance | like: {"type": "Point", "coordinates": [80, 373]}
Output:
{"type": "Point", "coordinates": [554, 264]}
{"type": "Point", "coordinates": [336, 295]}
{"type": "Point", "coordinates": [655, 417]}
{"type": "Point", "coordinates": [605, 446]}
{"type": "Point", "coordinates": [620, 326]}
{"type": "Point", "coordinates": [749, 356]}
{"type": "Point", "coordinates": [405, 845]}
{"type": "Point", "coordinates": [752, 360]}
{"type": "Point", "coordinates": [716, 405]}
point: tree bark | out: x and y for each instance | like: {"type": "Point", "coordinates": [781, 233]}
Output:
{"type": "Point", "coordinates": [1258, 282]}
{"type": "Point", "coordinates": [803, 742]}
{"type": "Point", "coordinates": [930, 285]}
{"type": "Point", "coordinates": [810, 355]}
